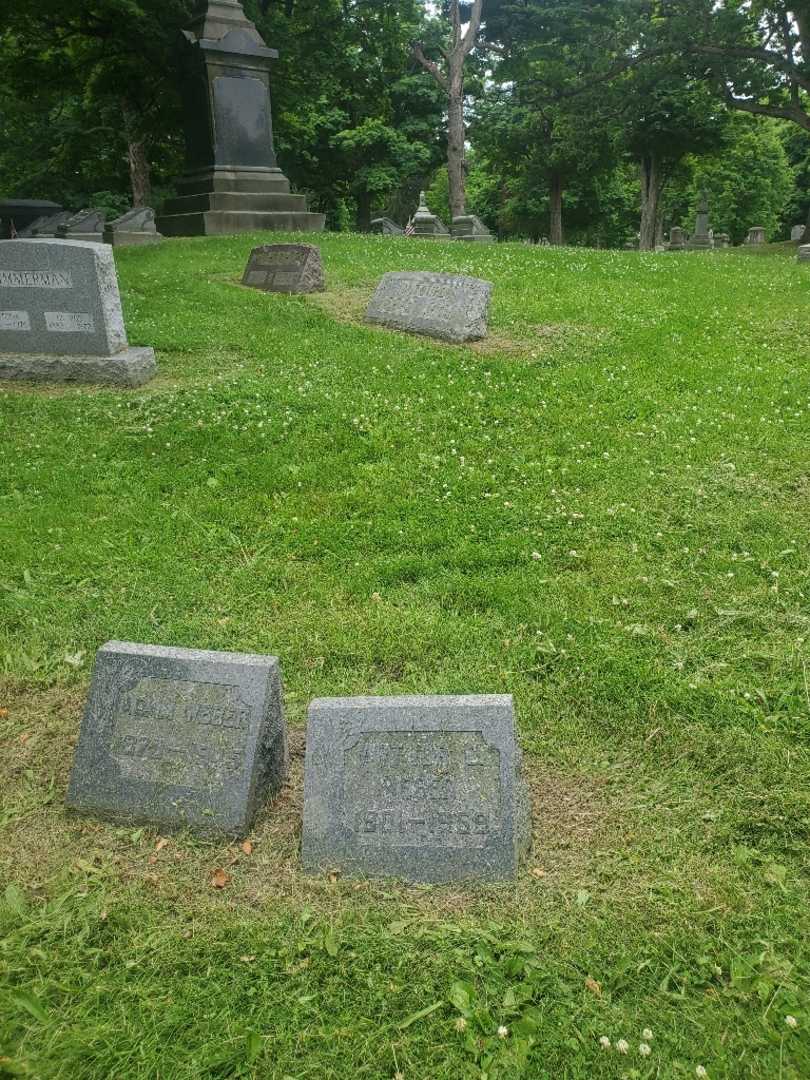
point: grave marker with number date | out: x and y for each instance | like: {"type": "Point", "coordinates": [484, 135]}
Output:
{"type": "Point", "coordinates": [60, 315]}
{"type": "Point", "coordinates": [451, 307]}
{"type": "Point", "coordinates": [180, 737]}
{"type": "Point", "coordinates": [418, 788]}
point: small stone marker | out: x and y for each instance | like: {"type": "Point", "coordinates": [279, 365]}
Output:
{"type": "Point", "coordinates": [471, 229]}
{"type": "Point", "coordinates": [285, 268]}
{"type": "Point", "coordinates": [180, 737]}
{"type": "Point", "coordinates": [384, 226]}
{"type": "Point", "coordinates": [804, 253]}
{"type": "Point", "coordinates": [135, 227]}
{"type": "Point", "coordinates": [60, 315]}
{"type": "Point", "coordinates": [418, 788]}
{"type": "Point", "coordinates": [797, 232]}
{"type": "Point", "coordinates": [756, 235]}
{"type": "Point", "coordinates": [677, 239]}
{"type": "Point", "coordinates": [86, 225]}
{"type": "Point", "coordinates": [446, 306]}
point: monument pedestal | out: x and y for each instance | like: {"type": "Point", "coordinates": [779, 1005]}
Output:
{"type": "Point", "coordinates": [232, 181]}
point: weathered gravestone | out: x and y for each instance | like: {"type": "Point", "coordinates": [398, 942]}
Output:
{"type": "Point", "coordinates": [384, 226]}
{"type": "Point", "coordinates": [677, 239]}
{"type": "Point", "coordinates": [180, 737]}
{"type": "Point", "coordinates": [86, 225]}
{"type": "Point", "coordinates": [722, 240]}
{"type": "Point", "coordinates": [60, 315]}
{"type": "Point", "coordinates": [446, 306]}
{"type": "Point", "coordinates": [47, 229]}
{"type": "Point", "coordinates": [285, 268]}
{"type": "Point", "coordinates": [470, 228]}
{"type": "Point", "coordinates": [702, 239]}
{"type": "Point", "coordinates": [797, 232]}
{"type": "Point", "coordinates": [418, 788]}
{"type": "Point", "coordinates": [756, 235]}
{"type": "Point", "coordinates": [804, 253]}
{"type": "Point", "coordinates": [134, 227]}
{"type": "Point", "coordinates": [426, 224]}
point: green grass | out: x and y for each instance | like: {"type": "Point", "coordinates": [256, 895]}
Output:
{"type": "Point", "coordinates": [602, 510]}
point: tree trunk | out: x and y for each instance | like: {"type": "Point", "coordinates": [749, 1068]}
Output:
{"type": "Point", "coordinates": [140, 174]}
{"type": "Point", "coordinates": [455, 138]}
{"type": "Point", "coordinates": [363, 218]}
{"type": "Point", "coordinates": [659, 227]}
{"type": "Point", "coordinates": [652, 185]}
{"type": "Point", "coordinates": [556, 223]}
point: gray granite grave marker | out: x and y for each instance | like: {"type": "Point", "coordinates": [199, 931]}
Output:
{"type": "Point", "coordinates": [797, 232]}
{"type": "Point", "coordinates": [180, 737]}
{"type": "Point", "coordinates": [48, 228]}
{"type": "Point", "coordinates": [134, 227]}
{"type": "Point", "coordinates": [60, 315]}
{"type": "Point", "coordinates": [426, 224]}
{"type": "Point", "coordinates": [803, 254]}
{"type": "Point", "coordinates": [285, 268]}
{"type": "Point", "coordinates": [756, 235]}
{"type": "Point", "coordinates": [85, 225]}
{"type": "Point", "coordinates": [384, 226]}
{"type": "Point", "coordinates": [677, 239]}
{"type": "Point", "coordinates": [446, 306]}
{"type": "Point", "coordinates": [471, 229]}
{"type": "Point", "coordinates": [418, 788]}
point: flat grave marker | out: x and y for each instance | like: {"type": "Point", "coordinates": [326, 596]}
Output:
{"type": "Point", "coordinates": [424, 789]}
{"type": "Point", "coordinates": [285, 268]}
{"type": "Point", "coordinates": [180, 738]}
{"type": "Point", "coordinates": [450, 307]}
{"type": "Point", "coordinates": [60, 315]}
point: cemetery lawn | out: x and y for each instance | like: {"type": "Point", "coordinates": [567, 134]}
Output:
{"type": "Point", "coordinates": [602, 510]}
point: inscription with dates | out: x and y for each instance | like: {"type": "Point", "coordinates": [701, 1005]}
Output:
{"type": "Point", "coordinates": [178, 732]}
{"type": "Point", "coordinates": [15, 320]}
{"type": "Point", "coordinates": [69, 322]}
{"type": "Point", "coordinates": [421, 788]}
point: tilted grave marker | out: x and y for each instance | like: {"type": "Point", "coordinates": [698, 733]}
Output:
{"type": "Point", "coordinates": [180, 737]}
{"type": "Point", "coordinates": [418, 788]}
{"type": "Point", "coordinates": [285, 268]}
{"type": "Point", "coordinates": [451, 307]}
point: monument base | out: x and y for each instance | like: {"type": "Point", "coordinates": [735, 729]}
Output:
{"type": "Point", "coordinates": [224, 201]}
{"type": "Point", "coordinates": [131, 367]}
{"type": "Point", "coordinates": [118, 238]}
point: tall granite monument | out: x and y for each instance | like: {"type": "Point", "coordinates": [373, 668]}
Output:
{"type": "Point", "coordinates": [701, 239]}
{"type": "Point", "coordinates": [232, 181]}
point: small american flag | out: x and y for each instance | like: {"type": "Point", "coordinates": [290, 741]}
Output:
{"type": "Point", "coordinates": [409, 229]}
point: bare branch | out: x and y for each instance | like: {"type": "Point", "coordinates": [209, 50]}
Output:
{"type": "Point", "coordinates": [429, 66]}
{"type": "Point", "coordinates": [766, 55]}
{"type": "Point", "coordinates": [474, 25]}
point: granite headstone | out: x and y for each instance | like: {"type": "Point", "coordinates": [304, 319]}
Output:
{"type": "Point", "coordinates": [180, 738]}
{"type": "Point", "coordinates": [384, 226]}
{"type": "Point", "coordinates": [797, 232]}
{"type": "Point", "coordinates": [47, 229]}
{"type": "Point", "coordinates": [803, 254]}
{"type": "Point", "coordinates": [285, 268]}
{"type": "Point", "coordinates": [85, 225]}
{"type": "Point", "coordinates": [60, 315]}
{"type": "Point", "coordinates": [756, 235]}
{"type": "Point", "coordinates": [471, 229]}
{"type": "Point", "coordinates": [427, 224]}
{"type": "Point", "coordinates": [677, 239]}
{"type": "Point", "coordinates": [418, 788]}
{"type": "Point", "coordinates": [136, 226]}
{"type": "Point", "coordinates": [451, 307]}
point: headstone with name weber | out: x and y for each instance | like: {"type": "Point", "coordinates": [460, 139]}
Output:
{"type": "Point", "coordinates": [450, 307]}
{"type": "Point", "coordinates": [425, 789]}
{"type": "Point", "coordinates": [60, 315]}
{"type": "Point", "coordinates": [180, 738]}
{"type": "Point", "coordinates": [285, 268]}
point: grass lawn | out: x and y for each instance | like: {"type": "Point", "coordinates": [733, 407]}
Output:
{"type": "Point", "coordinates": [603, 510]}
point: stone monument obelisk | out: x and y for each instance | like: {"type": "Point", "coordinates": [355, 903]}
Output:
{"type": "Point", "coordinates": [701, 239]}
{"type": "Point", "coordinates": [232, 181]}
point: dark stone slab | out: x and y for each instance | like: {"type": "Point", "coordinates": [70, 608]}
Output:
{"type": "Point", "coordinates": [60, 315]}
{"type": "Point", "coordinates": [135, 227]}
{"type": "Point", "coordinates": [417, 788]}
{"type": "Point", "coordinates": [180, 738]}
{"type": "Point", "coordinates": [471, 229]}
{"type": "Point", "coordinates": [21, 213]}
{"type": "Point", "coordinates": [446, 306]}
{"type": "Point", "coordinates": [285, 268]}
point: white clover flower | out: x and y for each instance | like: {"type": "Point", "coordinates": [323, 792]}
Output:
{"type": "Point", "coordinates": [646, 1034]}
{"type": "Point", "coordinates": [604, 1042]}
{"type": "Point", "coordinates": [622, 1046]}
{"type": "Point", "coordinates": [461, 1024]}
{"type": "Point", "coordinates": [791, 1021]}
{"type": "Point", "coordinates": [536, 555]}
{"type": "Point", "coordinates": [503, 1032]}
{"type": "Point", "coordinates": [700, 1071]}
{"type": "Point", "coordinates": [644, 1049]}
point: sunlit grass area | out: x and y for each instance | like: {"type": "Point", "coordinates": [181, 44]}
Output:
{"type": "Point", "coordinates": [602, 510]}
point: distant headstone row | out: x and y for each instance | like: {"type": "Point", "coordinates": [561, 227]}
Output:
{"type": "Point", "coordinates": [134, 227]}
{"type": "Point", "coordinates": [425, 224]}
{"type": "Point", "coordinates": [425, 789]}
{"type": "Point", "coordinates": [60, 315]}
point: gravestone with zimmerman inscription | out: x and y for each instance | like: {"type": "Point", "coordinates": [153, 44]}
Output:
{"type": "Point", "coordinates": [180, 738]}
{"type": "Point", "coordinates": [285, 268]}
{"type": "Point", "coordinates": [418, 788]}
{"type": "Point", "coordinates": [451, 307]}
{"type": "Point", "coordinates": [60, 315]}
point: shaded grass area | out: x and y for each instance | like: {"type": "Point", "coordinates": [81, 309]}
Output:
{"type": "Point", "coordinates": [602, 511]}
